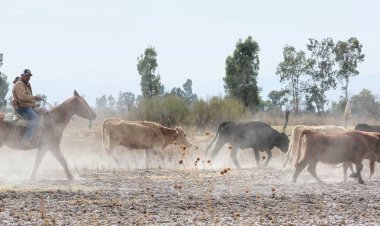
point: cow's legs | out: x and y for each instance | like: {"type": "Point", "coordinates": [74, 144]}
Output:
{"type": "Point", "coordinates": [40, 154]}
{"type": "Point", "coordinates": [234, 152]}
{"type": "Point", "coordinates": [146, 154]}
{"type": "Point", "coordinates": [359, 167]}
{"type": "Point", "coordinates": [371, 168]}
{"type": "Point", "coordinates": [269, 153]}
{"type": "Point", "coordinates": [287, 160]}
{"type": "Point", "coordinates": [257, 156]}
{"type": "Point", "coordinates": [56, 151]}
{"type": "Point", "coordinates": [288, 156]}
{"type": "Point", "coordinates": [313, 171]}
{"type": "Point", "coordinates": [345, 168]}
{"type": "Point", "coordinates": [110, 151]}
{"type": "Point", "coordinates": [300, 166]}
{"type": "Point", "coordinates": [216, 149]}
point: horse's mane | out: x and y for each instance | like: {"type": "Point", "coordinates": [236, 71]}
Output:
{"type": "Point", "coordinates": [59, 106]}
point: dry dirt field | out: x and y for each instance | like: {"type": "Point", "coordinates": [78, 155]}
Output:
{"type": "Point", "coordinates": [193, 192]}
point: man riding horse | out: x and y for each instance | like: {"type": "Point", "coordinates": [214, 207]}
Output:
{"type": "Point", "coordinates": [23, 103]}
{"type": "Point", "coordinates": [53, 124]}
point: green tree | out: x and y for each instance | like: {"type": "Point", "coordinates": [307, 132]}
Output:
{"type": "Point", "coordinates": [186, 93]}
{"type": "Point", "coordinates": [125, 102]}
{"type": "Point", "coordinates": [290, 70]}
{"type": "Point", "coordinates": [146, 66]}
{"type": "Point", "coordinates": [177, 91]}
{"type": "Point", "coordinates": [4, 86]}
{"type": "Point", "coordinates": [365, 104]}
{"type": "Point", "coordinates": [241, 73]}
{"type": "Point", "coordinates": [111, 102]}
{"type": "Point", "coordinates": [320, 66]}
{"type": "Point", "coordinates": [348, 55]}
{"type": "Point", "coordinates": [278, 98]}
{"type": "Point", "coordinates": [101, 103]}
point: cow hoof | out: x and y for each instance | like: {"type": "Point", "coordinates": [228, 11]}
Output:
{"type": "Point", "coordinates": [353, 175]}
{"type": "Point", "coordinates": [70, 177]}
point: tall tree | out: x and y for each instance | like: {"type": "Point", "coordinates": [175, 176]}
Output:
{"type": "Point", "coordinates": [146, 66]}
{"type": "Point", "coordinates": [4, 86]}
{"type": "Point", "coordinates": [348, 55]}
{"type": "Point", "coordinates": [278, 98]}
{"type": "Point", "coordinates": [241, 73]}
{"type": "Point", "coordinates": [365, 104]}
{"type": "Point", "coordinates": [290, 70]}
{"type": "Point", "coordinates": [186, 93]}
{"type": "Point", "coordinates": [111, 102]}
{"type": "Point", "coordinates": [320, 66]}
{"type": "Point", "coordinates": [125, 102]}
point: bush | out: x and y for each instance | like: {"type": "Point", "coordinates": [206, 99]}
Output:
{"type": "Point", "coordinates": [168, 110]}
{"type": "Point", "coordinates": [216, 111]}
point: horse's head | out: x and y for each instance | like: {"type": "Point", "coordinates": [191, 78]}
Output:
{"type": "Point", "coordinates": [81, 107]}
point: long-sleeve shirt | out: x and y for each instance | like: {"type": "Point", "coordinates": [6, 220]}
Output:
{"type": "Point", "coordinates": [22, 95]}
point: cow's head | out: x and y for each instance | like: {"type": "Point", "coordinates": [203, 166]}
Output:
{"type": "Point", "coordinates": [182, 137]}
{"type": "Point", "coordinates": [283, 142]}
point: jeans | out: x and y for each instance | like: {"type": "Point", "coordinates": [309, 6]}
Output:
{"type": "Point", "coordinates": [32, 126]}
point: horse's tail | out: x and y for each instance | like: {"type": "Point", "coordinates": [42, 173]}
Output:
{"type": "Point", "coordinates": [303, 132]}
{"type": "Point", "coordinates": [216, 135]}
{"type": "Point", "coordinates": [105, 136]}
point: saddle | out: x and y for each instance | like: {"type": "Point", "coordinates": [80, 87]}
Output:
{"type": "Point", "coordinates": [13, 119]}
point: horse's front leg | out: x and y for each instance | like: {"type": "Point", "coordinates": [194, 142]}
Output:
{"type": "Point", "coordinates": [40, 154]}
{"type": "Point", "coordinates": [56, 151]}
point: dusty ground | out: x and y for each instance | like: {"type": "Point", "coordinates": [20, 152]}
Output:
{"type": "Point", "coordinates": [170, 193]}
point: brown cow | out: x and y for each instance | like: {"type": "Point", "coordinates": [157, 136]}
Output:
{"type": "Point", "coordinates": [334, 148]}
{"type": "Point", "coordinates": [296, 134]}
{"type": "Point", "coordinates": [149, 136]}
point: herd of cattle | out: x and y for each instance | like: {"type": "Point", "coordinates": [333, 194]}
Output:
{"type": "Point", "coordinates": [307, 145]}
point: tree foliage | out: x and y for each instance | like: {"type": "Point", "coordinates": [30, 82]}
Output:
{"type": "Point", "coordinates": [365, 104]}
{"type": "Point", "coordinates": [290, 70]}
{"type": "Point", "coordinates": [4, 86]}
{"type": "Point", "coordinates": [348, 55]}
{"type": "Point", "coordinates": [150, 82]}
{"type": "Point", "coordinates": [125, 102]}
{"type": "Point", "coordinates": [186, 93]}
{"type": "Point", "coordinates": [105, 105]}
{"type": "Point", "coordinates": [278, 98]}
{"type": "Point", "coordinates": [241, 73]}
{"type": "Point", "coordinates": [320, 67]}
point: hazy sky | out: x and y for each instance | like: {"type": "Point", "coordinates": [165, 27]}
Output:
{"type": "Point", "coordinates": [92, 46]}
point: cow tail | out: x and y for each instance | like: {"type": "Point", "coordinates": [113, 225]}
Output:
{"type": "Point", "coordinates": [105, 136]}
{"type": "Point", "coordinates": [304, 132]}
{"type": "Point", "coordinates": [216, 135]}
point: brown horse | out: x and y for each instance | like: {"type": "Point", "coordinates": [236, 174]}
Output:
{"type": "Point", "coordinates": [53, 124]}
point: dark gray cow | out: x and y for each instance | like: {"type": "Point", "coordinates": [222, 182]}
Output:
{"type": "Point", "coordinates": [365, 128]}
{"type": "Point", "coordinates": [257, 135]}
